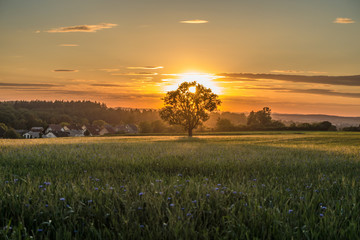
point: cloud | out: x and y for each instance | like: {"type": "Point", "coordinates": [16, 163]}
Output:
{"type": "Point", "coordinates": [146, 68]}
{"type": "Point", "coordinates": [326, 92]}
{"type": "Point", "coordinates": [108, 85]}
{"type": "Point", "coordinates": [82, 28]}
{"type": "Point", "coordinates": [343, 20]}
{"type": "Point", "coordinates": [65, 70]}
{"type": "Point", "coordinates": [296, 72]}
{"type": "Point", "coordinates": [68, 45]}
{"type": "Point", "coordinates": [135, 74]}
{"type": "Point", "coordinates": [195, 21]}
{"type": "Point", "coordinates": [308, 91]}
{"type": "Point", "coordinates": [27, 85]}
{"type": "Point", "coordinates": [332, 80]}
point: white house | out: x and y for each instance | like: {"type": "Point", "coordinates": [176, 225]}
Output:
{"type": "Point", "coordinates": [49, 135]}
{"type": "Point", "coordinates": [31, 134]}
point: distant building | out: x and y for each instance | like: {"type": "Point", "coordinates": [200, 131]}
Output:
{"type": "Point", "coordinates": [31, 135]}
{"type": "Point", "coordinates": [37, 129]}
{"type": "Point", "coordinates": [93, 131]}
{"type": "Point", "coordinates": [54, 128]}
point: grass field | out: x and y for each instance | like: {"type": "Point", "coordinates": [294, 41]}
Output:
{"type": "Point", "coordinates": [261, 185]}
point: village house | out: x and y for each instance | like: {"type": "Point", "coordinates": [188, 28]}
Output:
{"type": "Point", "coordinates": [31, 135]}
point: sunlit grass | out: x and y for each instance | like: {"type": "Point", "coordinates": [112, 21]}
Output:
{"type": "Point", "coordinates": [263, 185]}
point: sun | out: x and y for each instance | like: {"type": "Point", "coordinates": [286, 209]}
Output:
{"type": "Point", "coordinates": [205, 79]}
{"type": "Point", "coordinates": [192, 89]}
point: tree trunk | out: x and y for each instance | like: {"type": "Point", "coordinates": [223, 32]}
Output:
{"type": "Point", "coordinates": [190, 132]}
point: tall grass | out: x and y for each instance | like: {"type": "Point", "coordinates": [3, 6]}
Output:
{"type": "Point", "coordinates": [266, 186]}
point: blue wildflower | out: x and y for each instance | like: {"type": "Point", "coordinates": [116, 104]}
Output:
{"type": "Point", "coordinates": [188, 214]}
{"type": "Point", "coordinates": [180, 175]}
{"type": "Point", "coordinates": [194, 201]}
{"type": "Point", "coordinates": [141, 226]}
{"type": "Point", "coordinates": [90, 201]}
{"type": "Point", "coordinates": [290, 211]}
{"type": "Point", "coordinates": [207, 195]}
{"type": "Point", "coordinates": [321, 215]}
{"type": "Point", "coordinates": [62, 199]}
{"type": "Point", "coordinates": [40, 230]}
{"type": "Point", "coordinates": [141, 193]}
{"type": "Point", "coordinates": [172, 205]}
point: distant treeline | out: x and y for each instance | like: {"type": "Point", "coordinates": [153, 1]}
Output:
{"type": "Point", "coordinates": [28, 114]}
{"type": "Point", "coordinates": [262, 120]}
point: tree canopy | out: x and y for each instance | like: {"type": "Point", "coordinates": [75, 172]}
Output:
{"type": "Point", "coordinates": [189, 108]}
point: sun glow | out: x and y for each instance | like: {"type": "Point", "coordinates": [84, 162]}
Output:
{"type": "Point", "coordinates": [192, 89]}
{"type": "Point", "coordinates": [205, 79]}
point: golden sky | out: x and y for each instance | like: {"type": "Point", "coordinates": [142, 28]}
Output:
{"type": "Point", "coordinates": [293, 56]}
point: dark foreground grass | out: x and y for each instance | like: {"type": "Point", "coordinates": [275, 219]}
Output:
{"type": "Point", "coordinates": [301, 186]}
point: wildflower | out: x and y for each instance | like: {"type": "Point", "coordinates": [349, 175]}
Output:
{"type": "Point", "coordinates": [321, 215]}
{"type": "Point", "coordinates": [177, 192]}
{"type": "Point", "coordinates": [194, 201]}
{"type": "Point", "coordinates": [206, 179]}
{"type": "Point", "coordinates": [207, 195]}
{"type": "Point", "coordinates": [47, 183]}
{"type": "Point", "coordinates": [6, 181]}
{"type": "Point", "coordinates": [141, 226]}
{"type": "Point", "coordinates": [169, 198]}
{"type": "Point", "coordinates": [96, 188]}
{"type": "Point", "coordinates": [180, 175]}
{"type": "Point", "coordinates": [216, 189]}
{"type": "Point", "coordinates": [157, 180]}
{"type": "Point", "coordinates": [219, 184]}
{"type": "Point", "coordinates": [15, 180]}
{"type": "Point", "coordinates": [62, 199]}
{"type": "Point", "coordinates": [46, 205]}
{"type": "Point", "coordinates": [141, 193]}
{"type": "Point", "coordinates": [111, 188]}
{"type": "Point", "coordinates": [40, 230]}
{"type": "Point", "coordinates": [187, 181]}
{"type": "Point", "coordinates": [290, 211]}
{"type": "Point", "coordinates": [41, 186]}
{"type": "Point", "coordinates": [172, 205]}
{"type": "Point", "coordinates": [234, 192]}
{"type": "Point", "coordinates": [323, 207]}
{"type": "Point", "coordinates": [90, 201]}
{"type": "Point", "coordinates": [188, 214]}
{"type": "Point", "coordinates": [182, 208]}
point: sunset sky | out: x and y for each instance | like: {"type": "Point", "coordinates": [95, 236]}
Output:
{"type": "Point", "coordinates": [293, 56]}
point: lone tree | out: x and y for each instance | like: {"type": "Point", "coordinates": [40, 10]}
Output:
{"type": "Point", "coordinates": [189, 105]}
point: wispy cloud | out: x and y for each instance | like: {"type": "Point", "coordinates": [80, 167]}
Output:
{"type": "Point", "coordinates": [82, 28]}
{"type": "Point", "coordinates": [308, 91]}
{"type": "Point", "coordinates": [109, 85]}
{"type": "Point", "coordinates": [68, 45]}
{"type": "Point", "coordinates": [135, 74]}
{"type": "Point", "coordinates": [27, 84]}
{"type": "Point", "coordinates": [343, 20]}
{"type": "Point", "coordinates": [65, 70]}
{"type": "Point", "coordinates": [297, 72]}
{"type": "Point", "coordinates": [332, 80]}
{"type": "Point", "coordinates": [195, 21]}
{"type": "Point", "coordinates": [146, 68]}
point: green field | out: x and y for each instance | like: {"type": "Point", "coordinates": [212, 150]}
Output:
{"type": "Point", "coordinates": [260, 185]}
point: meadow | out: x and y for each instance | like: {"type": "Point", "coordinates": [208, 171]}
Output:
{"type": "Point", "coordinates": [264, 185]}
